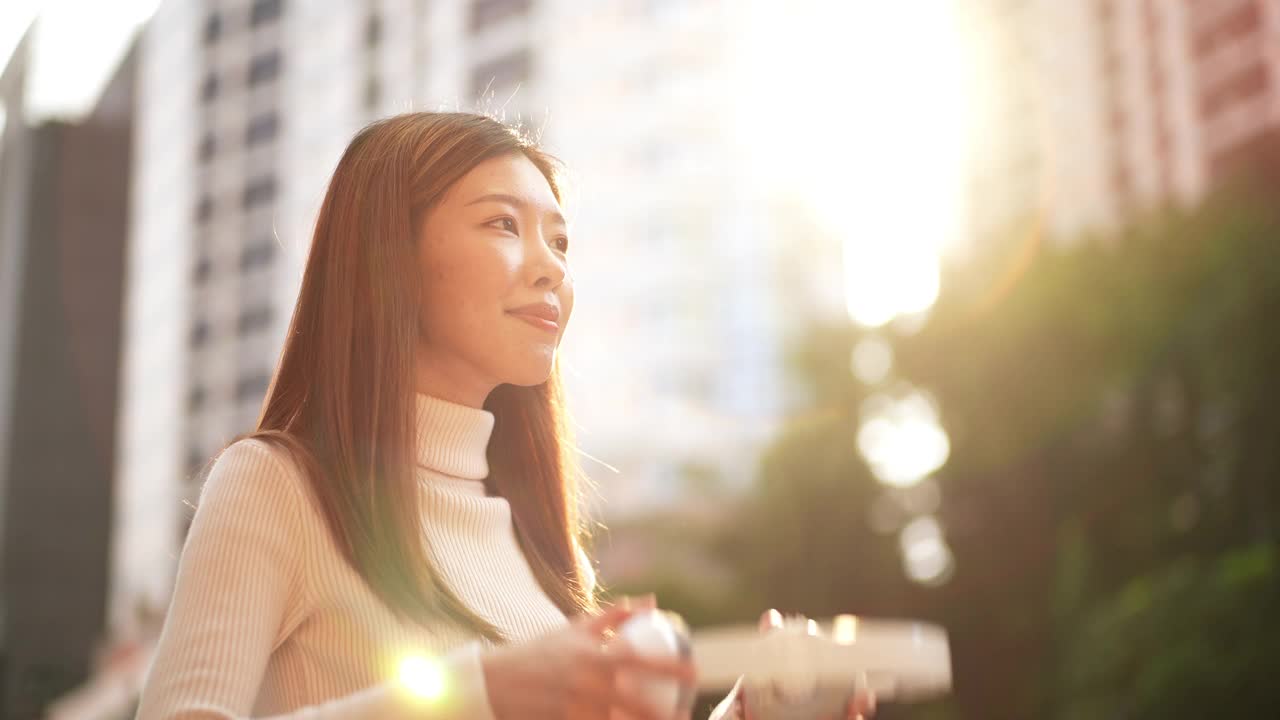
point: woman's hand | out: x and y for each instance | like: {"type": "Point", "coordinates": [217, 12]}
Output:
{"type": "Point", "coordinates": [863, 704]}
{"type": "Point", "coordinates": [569, 672]}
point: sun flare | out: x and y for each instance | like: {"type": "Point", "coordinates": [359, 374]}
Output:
{"type": "Point", "coordinates": [858, 109]}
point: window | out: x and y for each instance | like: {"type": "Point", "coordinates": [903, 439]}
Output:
{"type": "Point", "coordinates": [264, 67]}
{"type": "Point", "coordinates": [208, 146]}
{"type": "Point", "coordinates": [209, 90]}
{"type": "Point", "coordinates": [252, 387]}
{"type": "Point", "coordinates": [264, 11]}
{"type": "Point", "coordinates": [372, 88]}
{"type": "Point", "coordinates": [259, 192]}
{"type": "Point", "coordinates": [489, 12]}
{"type": "Point", "coordinates": [204, 209]}
{"type": "Point", "coordinates": [203, 268]}
{"type": "Point", "coordinates": [1252, 81]}
{"type": "Point", "coordinates": [261, 129]}
{"type": "Point", "coordinates": [503, 72]}
{"type": "Point", "coordinates": [254, 319]}
{"type": "Point", "coordinates": [212, 29]}
{"type": "Point", "coordinates": [199, 333]}
{"type": "Point", "coordinates": [195, 461]}
{"type": "Point", "coordinates": [196, 398]}
{"type": "Point", "coordinates": [258, 254]}
{"type": "Point", "coordinates": [1231, 27]}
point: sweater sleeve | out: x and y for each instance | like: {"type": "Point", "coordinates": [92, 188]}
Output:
{"type": "Point", "coordinates": [238, 592]}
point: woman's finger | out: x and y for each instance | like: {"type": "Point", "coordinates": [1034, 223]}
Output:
{"type": "Point", "coordinates": [770, 619]}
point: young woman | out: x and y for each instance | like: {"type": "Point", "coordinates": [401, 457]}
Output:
{"type": "Point", "coordinates": [408, 500]}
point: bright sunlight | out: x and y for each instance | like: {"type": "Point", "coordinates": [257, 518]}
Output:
{"type": "Point", "coordinates": [878, 157]}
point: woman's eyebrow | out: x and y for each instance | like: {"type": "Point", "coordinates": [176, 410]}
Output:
{"type": "Point", "coordinates": [516, 202]}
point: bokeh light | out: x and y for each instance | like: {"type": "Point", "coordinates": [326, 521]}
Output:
{"type": "Point", "coordinates": [925, 555]}
{"type": "Point", "coordinates": [885, 279]}
{"type": "Point", "coordinates": [902, 439]}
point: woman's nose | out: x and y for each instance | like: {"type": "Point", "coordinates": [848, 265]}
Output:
{"type": "Point", "coordinates": [547, 266]}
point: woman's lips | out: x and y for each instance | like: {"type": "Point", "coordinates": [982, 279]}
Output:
{"type": "Point", "coordinates": [540, 323]}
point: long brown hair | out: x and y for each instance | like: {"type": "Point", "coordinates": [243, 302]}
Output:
{"type": "Point", "coordinates": [342, 400]}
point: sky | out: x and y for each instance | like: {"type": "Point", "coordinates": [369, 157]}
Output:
{"type": "Point", "coordinates": [77, 46]}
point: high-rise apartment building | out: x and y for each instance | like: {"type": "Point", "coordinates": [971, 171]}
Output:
{"type": "Point", "coordinates": [1093, 112]}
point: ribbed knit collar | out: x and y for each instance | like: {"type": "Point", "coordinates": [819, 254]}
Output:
{"type": "Point", "coordinates": [452, 439]}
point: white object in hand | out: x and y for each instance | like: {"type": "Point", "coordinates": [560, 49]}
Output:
{"type": "Point", "coordinates": [655, 633]}
{"type": "Point", "coordinates": [897, 659]}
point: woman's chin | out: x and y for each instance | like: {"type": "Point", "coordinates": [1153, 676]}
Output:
{"type": "Point", "coordinates": [535, 374]}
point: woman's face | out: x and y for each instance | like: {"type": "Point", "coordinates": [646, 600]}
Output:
{"type": "Point", "coordinates": [496, 290]}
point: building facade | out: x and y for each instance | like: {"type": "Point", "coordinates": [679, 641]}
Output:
{"type": "Point", "coordinates": [1091, 113]}
{"type": "Point", "coordinates": [63, 188]}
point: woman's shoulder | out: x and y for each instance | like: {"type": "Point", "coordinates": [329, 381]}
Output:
{"type": "Point", "coordinates": [259, 472]}
{"type": "Point", "coordinates": [256, 459]}
{"type": "Point", "coordinates": [256, 453]}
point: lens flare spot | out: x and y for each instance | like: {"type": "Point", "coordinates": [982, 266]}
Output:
{"type": "Point", "coordinates": [423, 677]}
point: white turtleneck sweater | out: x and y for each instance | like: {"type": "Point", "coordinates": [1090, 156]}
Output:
{"type": "Point", "coordinates": [267, 619]}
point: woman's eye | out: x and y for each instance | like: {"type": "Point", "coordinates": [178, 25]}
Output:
{"type": "Point", "coordinates": [507, 223]}
{"type": "Point", "coordinates": [561, 244]}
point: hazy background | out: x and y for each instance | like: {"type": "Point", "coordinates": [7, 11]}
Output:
{"type": "Point", "coordinates": [959, 310]}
